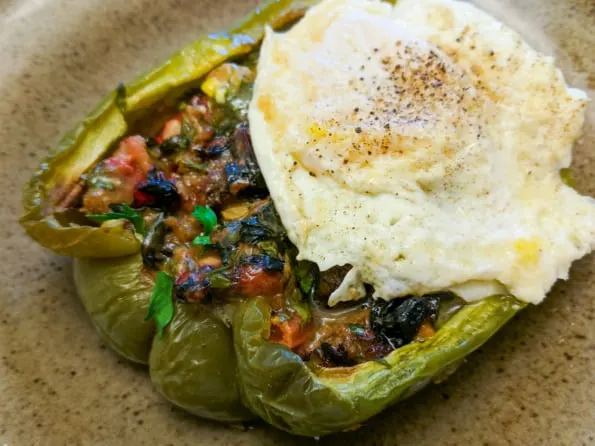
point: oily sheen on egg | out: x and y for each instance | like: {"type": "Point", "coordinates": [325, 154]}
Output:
{"type": "Point", "coordinates": [421, 144]}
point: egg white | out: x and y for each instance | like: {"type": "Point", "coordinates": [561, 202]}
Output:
{"type": "Point", "coordinates": [421, 144]}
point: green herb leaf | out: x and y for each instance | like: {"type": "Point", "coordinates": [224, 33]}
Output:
{"type": "Point", "coordinates": [202, 240]}
{"type": "Point", "coordinates": [218, 279]}
{"type": "Point", "coordinates": [357, 329]}
{"type": "Point", "coordinates": [174, 144]}
{"type": "Point", "coordinates": [269, 247]}
{"type": "Point", "coordinates": [187, 129]}
{"type": "Point", "coordinates": [307, 275]}
{"type": "Point", "coordinates": [262, 225]}
{"type": "Point", "coordinates": [122, 211]}
{"type": "Point", "coordinates": [302, 309]}
{"type": "Point", "coordinates": [161, 306]}
{"type": "Point", "coordinates": [199, 167]}
{"type": "Point", "coordinates": [207, 218]}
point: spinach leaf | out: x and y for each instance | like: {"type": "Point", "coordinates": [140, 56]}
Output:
{"type": "Point", "coordinates": [195, 165]}
{"type": "Point", "coordinates": [218, 278]}
{"type": "Point", "coordinates": [161, 193]}
{"type": "Point", "coordinates": [398, 321]}
{"type": "Point", "coordinates": [161, 306]}
{"type": "Point", "coordinates": [243, 171]}
{"type": "Point", "coordinates": [269, 247]}
{"type": "Point", "coordinates": [262, 225]}
{"type": "Point", "coordinates": [122, 211]}
{"type": "Point", "coordinates": [174, 144]}
{"type": "Point", "coordinates": [263, 262]}
{"type": "Point", "coordinates": [216, 147]}
{"type": "Point", "coordinates": [307, 276]}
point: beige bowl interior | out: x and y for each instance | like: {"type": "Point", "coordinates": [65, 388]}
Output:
{"type": "Point", "coordinates": [533, 384]}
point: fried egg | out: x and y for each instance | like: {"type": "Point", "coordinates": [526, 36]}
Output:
{"type": "Point", "coordinates": [421, 144]}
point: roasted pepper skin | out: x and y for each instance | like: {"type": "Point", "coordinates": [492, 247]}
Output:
{"type": "Point", "coordinates": [288, 393]}
{"type": "Point", "coordinates": [66, 232]}
{"type": "Point", "coordinates": [194, 365]}
{"type": "Point", "coordinates": [116, 294]}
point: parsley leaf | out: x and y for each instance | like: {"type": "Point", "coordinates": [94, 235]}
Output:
{"type": "Point", "coordinates": [208, 220]}
{"type": "Point", "coordinates": [120, 211]}
{"type": "Point", "coordinates": [202, 240]}
{"type": "Point", "coordinates": [161, 306]}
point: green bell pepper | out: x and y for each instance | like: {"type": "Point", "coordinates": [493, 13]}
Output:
{"type": "Point", "coordinates": [194, 365]}
{"type": "Point", "coordinates": [200, 363]}
{"type": "Point", "coordinates": [116, 293]}
{"type": "Point", "coordinates": [288, 393]}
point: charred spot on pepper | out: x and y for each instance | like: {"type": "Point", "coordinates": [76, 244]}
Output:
{"type": "Point", "coordinates": [157, 191]}
{"type": "Point", "coordinates": [337, 356]}
{"type": "Point", "coordinates": [193, 287]}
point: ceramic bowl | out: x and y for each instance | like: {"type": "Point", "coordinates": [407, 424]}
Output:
{"type": "Point", "coordinates": [532, 384]}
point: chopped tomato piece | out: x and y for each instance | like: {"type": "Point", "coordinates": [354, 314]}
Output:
{"type": "Point", "coordinates": [142, 199]}
{"type": "Point", "coordinates": [253, 281]}
{"type": "Point", "coordinates": [289, 332]}
{"type": "Point", "coordinates": [114, 180]}
{"type": "Point", "coordinates": [133, 151]}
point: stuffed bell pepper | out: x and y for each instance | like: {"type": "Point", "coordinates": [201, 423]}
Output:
{"type": "Point", "coordinates": [312, 216]}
